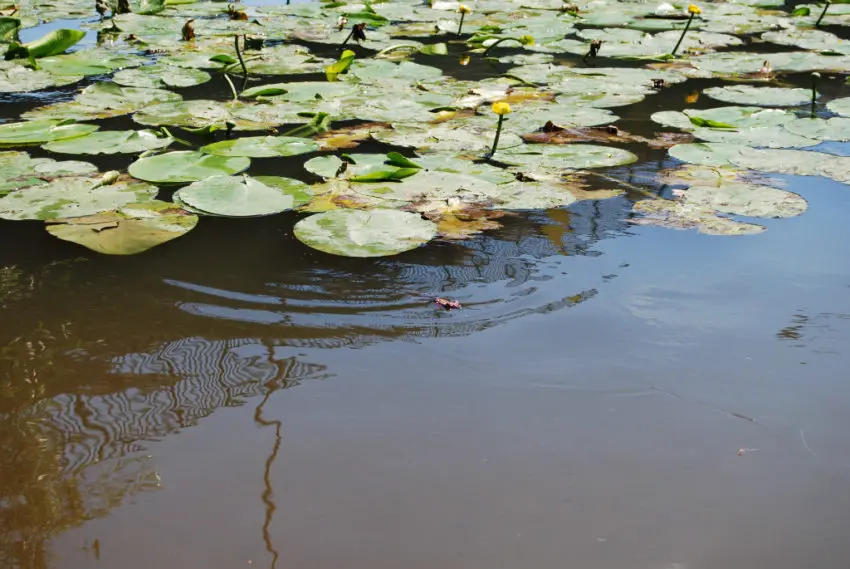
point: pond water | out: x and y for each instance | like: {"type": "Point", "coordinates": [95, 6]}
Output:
{"type": "Point", "coordinates": [611, 395]}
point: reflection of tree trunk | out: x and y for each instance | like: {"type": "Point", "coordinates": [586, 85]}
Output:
{"type": "Point", "coordinates": [268, 493]}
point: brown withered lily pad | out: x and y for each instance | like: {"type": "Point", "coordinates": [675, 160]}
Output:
{"type": "Point", "coordinates": [551, 133]}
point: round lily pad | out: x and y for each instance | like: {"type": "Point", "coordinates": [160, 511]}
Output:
{"type": "Point", "coordinates": [128, 230]}
{"type": "Point", "coordinates": [186, 166]}
{"type": "Point", "coordinates": [840, 106]}
{"type": "Point", "coordinates": [72, 196]}
{"type": "Point", "coordinates": [836, 128]}
{"type": "Point", "coordinates": [244, 196]}
{"type": "Point", "coordinates": [37, 132]}
{"type": "Point", "coordinates": [761, 96]}
{"type": "Point", "coordinates": [565, 156]}
{"type": "Point", "coordinates": [680, 215]}
{"type": "Point", "coordinates": [161, 75]}
{"type": "Point", "coordinates": [262, 146]}
{"type": "Point", "coordinates": [746, 199]}
{"type": "Point", "coordinates": [111, 142]}
{"type": "Point", "coordinates": [365, 233]}
{"type": "Point", "coordinates": [18, 170]}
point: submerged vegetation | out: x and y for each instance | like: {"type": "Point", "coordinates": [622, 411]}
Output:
{"type": "Point", "coordinates": [316, 79]}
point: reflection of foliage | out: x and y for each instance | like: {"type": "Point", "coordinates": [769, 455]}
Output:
{"type": "Point", "coordinates": [73, 457]}
{"type": "Point", "coordinates": [818, 331]}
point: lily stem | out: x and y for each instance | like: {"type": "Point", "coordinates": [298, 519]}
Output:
{"type": "Point", "coordinates": [498, 133]}
{"type": "Point", "coordinates": [239, 55]}
{"type": "Point", "coordinates": [681, 37]}
{"type": "Point", "coordinates": [348, 37]}
{"type": "Point", "coordinates": [823, 13]}
{"type": "Point", "coordinates": [815, 78]}
{"type": "Point", "coordinates": [497, 42]}
{"type": "Point", "coordinates": [460, 25]}
{"type": "Point", "coordinates": [232, 87]}
{"type": "Point", "coordinates": [397, 47]}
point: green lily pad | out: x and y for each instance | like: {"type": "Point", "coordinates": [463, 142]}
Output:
{"type": "Point", "coordinates": [365, 233]}
{"type": "Point", "coordinates": [128, 230]}
{"type": "Point", "coordinates": [565, 156]}
{"type": "Point", "coordinates": [102, 100]}
{"type": "Point", "coordinates": [328, 166]}
{"type": "Point", "coordinates": [198, 113]}
{"type": "Point", "coordinates": [680, 215]}
{"type": "Point", "coordinates": [37, 132]}
{"type": "Point", "coordinates": [746, 199]}
{"type": "Point", "coordinates": [111, 142]}
{"type": "Point", "coordinates": [761, 96]}
{"type": "Point", "coordinates": [72, 196]}
{"type": "Point", "coordinates": [301, 92]}
{"type": "Point", "coordinates": [262, 146]}
{"type": "Point", "coordinates": [836, 128]}
{"type": "Point", "coordinates": [160, 75]}
{"type": "Point", "coordinates": [243, 196]}
{"type": "Point", "coordinates": [840, 106]}
{"type": "Point", "coordinates": [15, 78]}
{"type": "Point", "coordinates": [445, 137]}
{"type": "Point", "coordinates": [766, 136]}
{"type": "Point", "coordinates": [18, 170]}
{"type": "Point", "coordinates": [382, 72]}
{"type": "Point", "coordinates": [186, 166]}
{"type": "Point", "coordinates": [52, 43]}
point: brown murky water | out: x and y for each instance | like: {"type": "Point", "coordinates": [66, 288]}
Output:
{"type": "Point", "coordinates": [610, 397]}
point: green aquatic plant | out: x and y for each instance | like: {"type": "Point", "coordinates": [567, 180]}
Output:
{"type": "Point", "coordinates": [463, 10]}
{"type": "Point", "coordinates": [815, 79]}
{"type": "Point", "coordinates": [693, 11]}
{"type": "Point", "coordinates": [525, 40]}
{"type": "Point", "coordinates": [823, 13]}
{"type": "Point", "coordinates": [501, 109]}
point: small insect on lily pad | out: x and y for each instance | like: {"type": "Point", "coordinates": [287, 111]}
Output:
{"type": "Point", "coordinates": [111, 142]}
{"type": "Point", "coordinates": [128, 230]}
{"type": "Point", "coordinates": [365, 233]}
{"type": "Point", "coordinates": [186, 166]}
{"type": "Point", "coordinates": [37, 132]}
{"type": "Point", "coordinates": [262, 146]}
{"type": "Point", "coordinates": [244, 196]}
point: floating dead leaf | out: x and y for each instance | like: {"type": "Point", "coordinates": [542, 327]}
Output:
{"type": "Point", "coordinates": [555, 134]}
{"type": "Point", "coordinates": [350, 137]}
{"type": "Point", "coordinates": [447, 304]}
{"type": "Point", "coordinates": [453, 227]}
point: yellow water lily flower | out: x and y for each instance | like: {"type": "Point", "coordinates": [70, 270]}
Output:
{"type": "Point", "coordinates": [501, 108]}
{"type": "Point", "coordinates": [464, 9]}
{"type": "Point", "coordinates": [694, 9]}
{"type": "Point", "coordinates": [526, 40]}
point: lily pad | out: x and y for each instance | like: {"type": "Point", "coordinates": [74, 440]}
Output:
{"type": "Point", "coordinates": [73, 196]}
{"type": "Point", "coordinates": [746, 199]}
{"type": "Point", "coordinates": [761, 96]}
{"type": "Point", "coordinates": [565, 156]}
{"type": "Point", "coordinates": [128, 230]}
{"type": "Point", "coordinates": [15, 78]}
{"type": "Point", "coordinates": [103, 100]}
{"type": "Point", "coordinates": [262, 146]}
{"type": "Point", "coordinates": [834, 129]}
{"type": "Point", "coordinates": [111, 142]}
{"type": "Point", "coordinates": [365, 233]}
{"type": "Point", "coordinates": [37, 132]}
{"type": "Point", "coordinates": [244, 196]}
{"type": "Point", "coordinates": [18, 170]}
{"type": "Point", "coordinates": [186, 166]}
{"type": "Point", "coordinates": [160, 75]}
{"type": "Point", "coordinates": [840, 106]}
{"type": "Point", "coordinates": [680, 215]}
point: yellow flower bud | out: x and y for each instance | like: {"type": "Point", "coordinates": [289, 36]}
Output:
{"type": "Point", "coordinates": [501, 108]}
{"type": "Point", "coordinates": [464, 9]}
{"type": "Point", "coordinates": [526, 40]}
{"type": "Point", "coordinates": [694, 9]}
